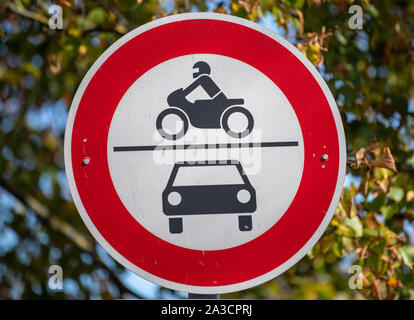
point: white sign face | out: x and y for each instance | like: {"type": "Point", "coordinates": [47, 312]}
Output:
{"type": "Point", "coordinates": [140, 178]}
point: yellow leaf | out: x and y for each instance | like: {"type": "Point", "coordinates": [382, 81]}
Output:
{"type": "Point", "coordinates": [410, 196]}
{"type": "Point", "coordinates": [82, 49]}
{"type": "Point", "coordinates": [121, 29]}
{"type": "Point", "coordinates": [393, 282]}
{"type": "Point", "coordinates": [75, 32]}
{"type": "Point", "coordinates": [220, 10]}
{"type": "Point", "coordinates": [234, 6]}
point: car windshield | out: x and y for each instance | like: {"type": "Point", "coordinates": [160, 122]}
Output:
{"type": "Point", "coordinates": [207, 175]}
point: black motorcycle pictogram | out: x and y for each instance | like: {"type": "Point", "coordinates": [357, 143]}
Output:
{"type": "Point", "coordinates": [211, 113]}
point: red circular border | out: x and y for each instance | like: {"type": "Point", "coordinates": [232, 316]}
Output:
{"type": "Point", "coordinates": [152, 254]}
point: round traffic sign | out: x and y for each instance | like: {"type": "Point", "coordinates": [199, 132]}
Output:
{"type": "Point", "coordinates": [205, 153]}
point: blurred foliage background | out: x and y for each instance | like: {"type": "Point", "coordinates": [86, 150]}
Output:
{"type": "Point", "coordinates": [370, 72]}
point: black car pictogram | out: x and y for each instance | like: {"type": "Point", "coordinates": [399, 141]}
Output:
{"type": "Point", "coordinates": [179, 200]}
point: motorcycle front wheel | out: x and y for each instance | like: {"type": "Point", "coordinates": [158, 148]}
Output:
{"type": "Point", "coordinates": [172, 136]}
{"type": "Point", "coordinates": [225, 122]}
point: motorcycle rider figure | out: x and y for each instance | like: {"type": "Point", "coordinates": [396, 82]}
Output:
{"type": "Point", "coordinates": [210, 113]}
{"type": "Point", "coordinates": [203, 80]}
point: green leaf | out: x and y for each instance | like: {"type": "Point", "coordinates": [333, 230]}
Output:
{"type": "Point", "coordinates": [378, 246]}
{"type": "Point", "coordinates": [410, 210]}
{"type": "Point", "coordinates": [355, 225]}
{"type": "Point", "coordinates": [340, 37]}
{"type": "Point", "coordinates": [337, 249]}
{"type": "Point", "coordinates": [296, 23]}
{"type": "Point", "coordinates": [375, 263]}
{"type": "Point", "coordinates": [97, 15]}
{"type": "Point", "coordinates": [388, 211]}
{"type": "Point", "coordinates": [372, 10]}
{"type": "Point", "coordinates": [375, 204]}
{"type": "Point", "coordinates": [396, 194]}
{"type": "Point", "coordinates": [370, 233]}
{"type": "Point", "coordinates": [407, 255]}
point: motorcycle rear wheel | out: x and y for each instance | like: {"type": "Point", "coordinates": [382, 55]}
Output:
{"type": "Point", "coordinates": [164, 133]}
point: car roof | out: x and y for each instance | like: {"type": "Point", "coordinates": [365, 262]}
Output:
{"type": "Point", "coordinates": [207, 163]}
{"type": "Point", "coordinates": [204, 163]}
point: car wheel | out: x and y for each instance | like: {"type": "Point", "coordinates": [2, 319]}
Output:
{"type": "Point", "coordinates": [176, 225]}
{"type": "Point", "coordinates": [245, 223]}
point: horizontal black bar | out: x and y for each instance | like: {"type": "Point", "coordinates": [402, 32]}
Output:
{"type": "Point", "coordinates": [208, 146]}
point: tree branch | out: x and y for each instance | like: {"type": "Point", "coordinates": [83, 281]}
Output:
{"type": "Point", "coordinates": [57, 225]}
{"type": "Point", "coordinates": [20, 10]}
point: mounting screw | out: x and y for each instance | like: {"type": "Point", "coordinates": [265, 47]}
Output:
{"type": "Point", "coordinates": [324, 157]}
{"type": "Point", "coordinates": [86, 161]}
